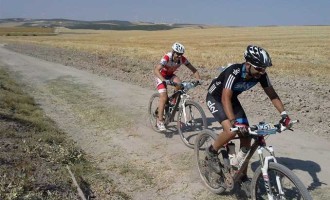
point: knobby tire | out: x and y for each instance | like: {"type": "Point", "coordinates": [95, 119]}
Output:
{"type": "Point", "coordinates": [258, 188]}
{"type": "Point", "coordinates": [187, 135]}
{"type": "Point", "coordinates": [213, 181]}
{"type": "Point", "coordinates": [151, 112]}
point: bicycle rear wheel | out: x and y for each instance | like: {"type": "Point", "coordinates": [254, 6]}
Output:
{"type": "Point", "coordinates": [284, 184]}
{"type": "Point", "coordinates": [153, 111]}
{"type": "Point", "coordinates": [191, 120]}
{"type": "Point", "coordinates": [212, 180]}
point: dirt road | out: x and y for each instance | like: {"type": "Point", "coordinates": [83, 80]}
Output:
{"type": "Point", "coordinates": [145, 164]}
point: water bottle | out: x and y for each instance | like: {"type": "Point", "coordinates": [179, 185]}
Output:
{"type": "Point", "coordinates": [231, 152]}
{"type": "Point", "coordinates": [236, 161]}
{"type": "Point", "coordinates": [231, 148]}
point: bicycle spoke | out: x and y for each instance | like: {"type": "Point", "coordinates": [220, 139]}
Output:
{"type": "Point", "coordinates": [282, 185]}
{"type": "Point", "coordinates": [191, 121]}
{"type": "Point", "coordinates": [212, 180]}
{"type": "Point", "coordinates": [153, 111]}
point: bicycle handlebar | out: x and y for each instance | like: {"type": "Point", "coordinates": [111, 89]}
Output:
{"type": "Point", "coordinates": [264, 128]}
{"type": "Point", "coordinates": [186, 85]}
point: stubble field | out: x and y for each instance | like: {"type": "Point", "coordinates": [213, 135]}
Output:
{"type": "Point", "coordinates": [299, 50]}
{"type": "Point", "coordinates": [300, 71]}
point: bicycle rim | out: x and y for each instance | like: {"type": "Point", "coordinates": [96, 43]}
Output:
{"type": "Point", "coordinates": [191, 120]}
{"type": "Point", "coordinates": [213, 181]}
{"type": "Point", "coordinates": [284, 184]}
{"type": "Point", "coordinates": [153, 111]}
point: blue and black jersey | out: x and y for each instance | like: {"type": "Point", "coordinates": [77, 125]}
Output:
{"type": "Point", "coordinates": [234, 78]}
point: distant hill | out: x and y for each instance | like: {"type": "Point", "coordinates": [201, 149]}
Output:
{"type": "Point", "coordinates": [95, 25]}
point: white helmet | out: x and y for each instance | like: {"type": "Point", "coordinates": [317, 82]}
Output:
{"type": "Point", "coordinates": [177, 47]}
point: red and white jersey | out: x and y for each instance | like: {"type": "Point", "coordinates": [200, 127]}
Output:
{"type": "Point", "coordinates": [170, 66]}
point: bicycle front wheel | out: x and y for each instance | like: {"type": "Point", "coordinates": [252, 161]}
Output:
{"type": "Point", "coordinates": [191, 120]}
{"type": "Point", "coordinates": [153, 111]}
{"type": "Point", "coordinates": [213, 181]}
{"type": "Point", "coordinates": [284, 184]}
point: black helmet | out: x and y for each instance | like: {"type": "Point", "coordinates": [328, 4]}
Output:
{"type": "Point", "coordinates": [257, 56]}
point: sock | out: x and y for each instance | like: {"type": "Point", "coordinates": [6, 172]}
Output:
{"type": "Point", "coordinates": [212, 150]}
{"type": "Point", "coordinates": [244, 178]}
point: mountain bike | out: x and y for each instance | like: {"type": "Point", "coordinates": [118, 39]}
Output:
{"type": "Point", "coordinates": [191, 117]}
{"type": "Point", "coordinates": [271, 180]}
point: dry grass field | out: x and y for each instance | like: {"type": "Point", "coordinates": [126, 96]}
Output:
{"type": "Point", "coordinates": [301, 50]}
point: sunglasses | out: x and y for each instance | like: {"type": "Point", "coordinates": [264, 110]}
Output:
{"type": "Point", "coordinates": [259, 69]}
{"type": "Point", "coordinates": [179, 54]}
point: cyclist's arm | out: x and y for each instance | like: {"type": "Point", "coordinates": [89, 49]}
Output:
{"type": "Point", "coordinates": [194, 71]}
{"type": "Point", "coordinates": [271, 93]}
{"type": "Point", "coordinates": [157, 72]}
{"type": "Point", "coordinates": [226, 102]}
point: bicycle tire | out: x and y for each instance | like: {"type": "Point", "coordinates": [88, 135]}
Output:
{"type": "Point", "coordinates": [213, 181]}
{"type": "Point", "coordinates": [188, 131]}
{"type": "Point", "coordinates": [275, 169]}
{"type": "Point", "coordinates": [153, 105]}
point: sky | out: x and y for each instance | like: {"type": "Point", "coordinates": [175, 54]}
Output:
{"type": "Point", "coordinates": [211, 12]}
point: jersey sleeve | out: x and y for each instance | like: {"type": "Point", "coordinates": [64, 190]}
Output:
{"type": "Point", "coordinates": [265, 81]}
{"type": "Point", "coordinates": [185, 61]}
{"type": "Point", "coordinates": [231, 75]}
{"type": "Point", "coordinates": [164, 60]}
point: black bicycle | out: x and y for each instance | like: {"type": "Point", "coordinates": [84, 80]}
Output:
{"type": "Point", "coordinates": [271, 180]}
{"type": "Point", "coordinates": [191, 118]}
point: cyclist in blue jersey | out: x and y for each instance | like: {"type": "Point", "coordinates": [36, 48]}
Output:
{"type": "Point", "coordinates": [223, 103]}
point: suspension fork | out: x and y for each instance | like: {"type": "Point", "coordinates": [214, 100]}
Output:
{"type": "Point", "coordinates": [184, 98]}
{"type": "Point", "coordinates": [264, 169]}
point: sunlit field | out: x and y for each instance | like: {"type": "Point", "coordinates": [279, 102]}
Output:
{"type": "Point", "coordinates": [300, 50]}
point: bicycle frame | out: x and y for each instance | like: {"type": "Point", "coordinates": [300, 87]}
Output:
{"type": "Point", "coordinates": [170, 113]}
{"type": "Point", "coordinates": [259, 145]}
{"type": "Point", "coordinates": [181, 98]}
{"type": "Point", "coordinates": [245, 162]}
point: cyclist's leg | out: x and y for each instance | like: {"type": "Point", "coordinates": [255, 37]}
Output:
{"type": "Point", "coordinates": [242, 119]}
{"type": "Point", "coordinates": [161, 87]}
{"type": "Point", "coordinates": [215, 107]}
{"type": "Point", "coordinates": [226, 135]}
{"type": "Point", "coordinates": [244, 142]}
{"type": "Point", "coordinates": [161, 105]}
{"type": "Point", "coordinates": [177, 80]}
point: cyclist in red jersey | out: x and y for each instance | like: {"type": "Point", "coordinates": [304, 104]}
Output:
{"type": "Point", "coordinates": [164, 73]}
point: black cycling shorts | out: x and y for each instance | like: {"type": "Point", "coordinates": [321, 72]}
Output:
{"type": "Point", "coordinates": [216, 108]}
